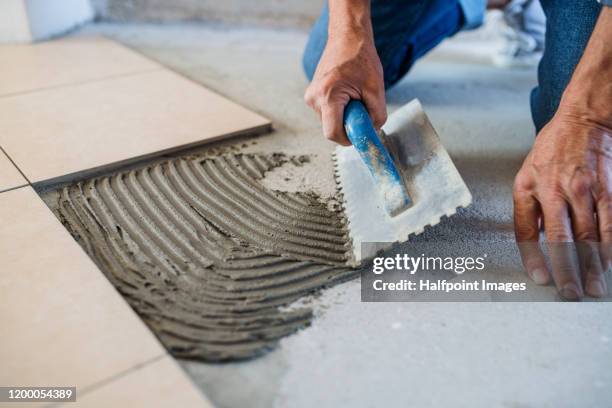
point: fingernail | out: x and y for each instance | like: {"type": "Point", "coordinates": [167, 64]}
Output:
{"type": "Point", "coordinates": [539, 276]}
{"type": "Point", "coordinates": [596, 288]}
{"type": "Point", "coordinates": [570, 292]}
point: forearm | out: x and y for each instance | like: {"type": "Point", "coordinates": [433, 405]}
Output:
{"type": "Point", "coordinates": [589, 93]}
{"type": "Point", "coordinates": [349, 18]}
{"type": "Point", "coordinates": [349, 68]}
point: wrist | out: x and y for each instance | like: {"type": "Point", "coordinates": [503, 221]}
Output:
{"type": "Point", "coordinates": [576, 114]}
{"type": "Point", "coordinates": [350, 39]}
{"type": "Point", "coordinates": [589, 91]}
{"type": "Point", "coordinates": [589, 105]}
{"type": "Point", "coordinates": [350, 21]}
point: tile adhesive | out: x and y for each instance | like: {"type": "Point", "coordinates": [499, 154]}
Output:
{"type": "Point", "coordinates": [207, 255]}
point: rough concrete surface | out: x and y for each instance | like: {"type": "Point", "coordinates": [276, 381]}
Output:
{"type": "Point", "coordinates": [401, 354]}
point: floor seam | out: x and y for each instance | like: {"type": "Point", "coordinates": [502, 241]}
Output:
{"type": "Point", "coordinates": [17, 167]}
{"type": "Point", "coordinates": [6, 190]}
{"type": "Point", "coordinates": [79, 83]}
{"type": "Point", "coordinates": [130, 163]}
{"type": "Point", "coordinates": [109, 380]}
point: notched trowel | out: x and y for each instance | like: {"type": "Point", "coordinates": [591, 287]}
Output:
{"type": "Point", "coordinates": [396, 182]}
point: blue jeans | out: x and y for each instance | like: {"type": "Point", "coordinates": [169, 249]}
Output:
{"type": "Point", "coordinates": [405, 30]}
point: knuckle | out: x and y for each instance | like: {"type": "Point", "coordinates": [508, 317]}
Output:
{"type": "Point", "coordinates": [326, 104]}
{"type": "Point", "coordinates": [310, 97]}
{"type": "Point", "coordinates": [307, 97]}
{"type": "Point", "coordinates": [581, 185]}
{"type": "Point", "coordinates": [554, 203]}
{"type": "Point", "coordinates": [585, 235]}
{"type": "Point", "coordinates": [309, 102]}
{"type": "Point", "coordinates": [522, 184]}
{"type": "Point", "coordinates": [525, 232]}
{"type": "Point", "coordinates": [604, 216]}
{"type": "Point", "coordinates": [378, 122]}
{"type": "Point", "coordinates": [606, 229]}
{"type": "Point", "coordinates": [605, 196]}
{"type": "Point", "coordinates": [327, 86]}
{"type": "Point", "coordinates": [557, 234]}
{"type": "Point", "coordinates": [554, 215]}
{"type": "Point", "coordinates": [326, 99]}
{"type": "Point", "coordinates": [381, 118]}
{"type": "Point", "coordinates": [331, 136]}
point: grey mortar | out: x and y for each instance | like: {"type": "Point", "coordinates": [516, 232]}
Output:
{"type": "Point", "coordinates": [205, 253]}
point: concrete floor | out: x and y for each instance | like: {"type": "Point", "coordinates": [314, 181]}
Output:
{"type": "Point", "coordinates": [407, 354]}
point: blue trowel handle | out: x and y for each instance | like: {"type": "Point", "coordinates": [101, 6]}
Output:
{"type": "Point", "coordinates": [376, 157]}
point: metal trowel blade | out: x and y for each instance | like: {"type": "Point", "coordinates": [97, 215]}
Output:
{"type": "Point", "coordinates": [433, 183]}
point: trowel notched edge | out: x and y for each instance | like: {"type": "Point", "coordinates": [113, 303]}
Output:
{"type": "Point", "coordinates": [433, 182]}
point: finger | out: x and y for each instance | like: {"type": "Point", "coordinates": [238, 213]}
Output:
{"type": "Point", "coordinates": [377, 107]}
{"type": "Point", "coordinates": [586, 237]}
{"type": "Point", "coordinates": [562, 250]}
{"type": "Point", "coordinates": [332, 116]}
{"type": "Point", "coordinates": [604, 220]}
{"type": "Point", "coordinates": [526, 228]}
{"type": "Point", "coordinates": [592, 271]}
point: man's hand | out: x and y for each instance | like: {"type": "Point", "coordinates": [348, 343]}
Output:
{"type": "Point", "coordinates": [349, 69]}
{"type": "Point", "coordinates": [565, 183]}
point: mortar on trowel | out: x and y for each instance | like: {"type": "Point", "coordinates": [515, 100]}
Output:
{"type": "Point", "coordinates": [395, 182]}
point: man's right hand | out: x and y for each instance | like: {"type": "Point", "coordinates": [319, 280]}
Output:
{"type": "Point", "coordinates": [349, 69]}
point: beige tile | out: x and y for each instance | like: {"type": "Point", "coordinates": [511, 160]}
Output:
{"type": "Point", "coordinates": [9, 175]}
{"type": "Point", "coordinates": [66, 130]}
{"type": "Point", "coordinates": [158, 384]}
{"type": "Point", "coordinates": [30, 67]}
{"type": "Point", "coordinates": [63, 323]}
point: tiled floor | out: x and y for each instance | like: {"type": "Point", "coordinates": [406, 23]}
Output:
{"type": "Point", "coordinates": [67, 62]}
{"type": "Point", "coordinates": [63, 322]}
{"type": "Point", "coordinates": [172, 388]}
{"type": "Point", "coordinates": [70, 106]}
{"type": "Point", "coordinates": [98, 117]}
{"type": "Point", "coordinates": [59, 308]}
{"type": "Point", "coordinates": [9, 175]}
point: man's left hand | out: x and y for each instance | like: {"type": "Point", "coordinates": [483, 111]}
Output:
{"type": "Point", "coordinates": [565, 186]}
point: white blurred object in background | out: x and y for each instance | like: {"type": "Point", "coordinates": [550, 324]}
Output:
{"type": "Point", "coordinates": [24, 21]}
{"type": "Point", "coordinates": [524, 31]}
